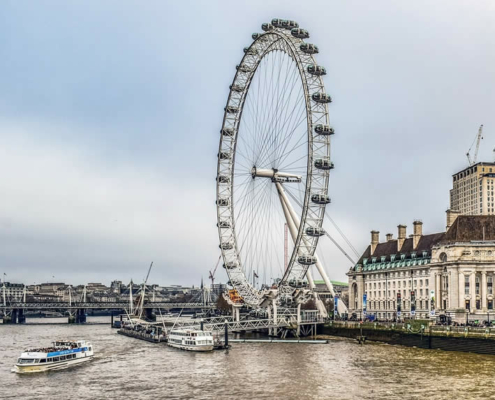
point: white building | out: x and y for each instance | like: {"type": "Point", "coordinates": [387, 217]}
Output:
{"type": "Point", "coordinates": [448, 272]}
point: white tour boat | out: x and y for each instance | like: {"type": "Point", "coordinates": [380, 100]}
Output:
{"type": "Point", "coordinates": [62, 354]}
{"type": "Point", "coordinates": [190, 339]}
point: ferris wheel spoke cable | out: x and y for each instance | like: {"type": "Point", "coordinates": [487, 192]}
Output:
{"type": "Point", "coordinates": [327, 234]}
{"type": "Point", "coordinates": [292, 114]}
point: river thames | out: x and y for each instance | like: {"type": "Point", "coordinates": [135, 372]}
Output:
{"type": "Point", "coordinates": [128, 368]}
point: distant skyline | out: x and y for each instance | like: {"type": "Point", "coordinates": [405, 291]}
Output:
{"type": "Point", "coordinates": [110, 115]}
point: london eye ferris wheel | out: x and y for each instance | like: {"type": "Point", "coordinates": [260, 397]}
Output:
{"type": "Point", "coordinates": [274, 163]}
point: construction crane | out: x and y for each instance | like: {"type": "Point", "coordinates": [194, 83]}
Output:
{"type": "Point", "coordinates": [477, 139]}
{"type": "Point", "coordinates": [212, 273]}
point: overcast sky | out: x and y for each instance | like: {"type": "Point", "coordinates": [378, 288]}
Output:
{"type": "Point", "coordinates": [110, 114]}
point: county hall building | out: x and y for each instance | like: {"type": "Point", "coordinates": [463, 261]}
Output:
{"type": "Point", "coordinates": [438, 273]}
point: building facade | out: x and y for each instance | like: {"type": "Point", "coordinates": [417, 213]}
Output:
{"type": "Point", "coordinates": [450, 272]}
{"type": "Point", "coordinates": [472, 190]}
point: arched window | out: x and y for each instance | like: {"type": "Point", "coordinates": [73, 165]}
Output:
{"type": "Point", "coordinates": [443, 257]}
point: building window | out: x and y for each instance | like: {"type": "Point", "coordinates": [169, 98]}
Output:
{"type": "Point", "coordinates": [426, 282]}
{"type": "Point", "coordinates": [490, 304]}
{"type": "Point", "coordinates": [490, 284]}
{"type": "Point", "coordinates": [477, 286]}
{"type": "Point", "coordinates": [466, 285]}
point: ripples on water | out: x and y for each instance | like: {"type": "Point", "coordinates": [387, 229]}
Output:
{"type": "Point", "coordinates": [127, 368]}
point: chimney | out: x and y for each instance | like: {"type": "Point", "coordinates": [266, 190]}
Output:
{"type": "Point", "coordinates": [418, 232]}
{"type": "Point", "coordinates": [401, 237]}
{"type": "Point", "coordinates": [389, 237]}
{"type": "Point", "coordinates": [375, 238]}
{"type": "Point", "coordinates": [451, 217]}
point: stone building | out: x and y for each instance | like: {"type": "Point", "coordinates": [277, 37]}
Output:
{"type": "Point", "coordinates": [447, 272]}
{"type": "Point", "coordinates": [472, 190]}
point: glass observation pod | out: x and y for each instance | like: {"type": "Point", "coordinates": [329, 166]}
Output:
{"type": "Point", "coordinates": [309, 48]}
{"type": "Point", "coordinates": [300, 33]}
{"type": "Point", "coordinates": [306, 260]}
{"type": "Point", "coordinates": [320, 199]}
{"type": "Point", "coordinates": [312, 231]}
{"type": "Point", "coordinates": [267, 27]}
{"type": "Point", "coordinates": [324, 130]}
{"type": "Point", "coordinates": [297, 283]}
{"type": "Point", "coordinates": [231, 110]}
{"type": "Point", "coordinates": [223, 179]}
{"type": "Point", "coordinates": [323, 163]}
{"type": "Point", "coordinates": [250, 52]}
{"type": "Point", "coordinates": [237, 88]}
{"type": "Point", "coordinates": [256, 35]}
{"type": "Point", "coordinates": [227, 132]}
{"type": "Point", "coordinates": [287, 24]}
{"type": "Point", "coordinates": [227, 246]}
{"type": "Point", "coordinates": [322, 98]}
{"type": "Point", "coordinates": [317, 70]}
{"type": "Point", "coordinates": [230, 265]}
{"type": "Point", "coordinates": [223, 202]}
{"type": "Point", "coordinates": [224, 155]}
{"type": "Point", "coordinates": [277, 23]}
{"type": "Point", "coordinates": [243, 68]}
{"type": "Point", "coordinates": [224, 224]}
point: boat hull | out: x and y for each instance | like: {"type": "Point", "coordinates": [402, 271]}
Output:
{"type": "Point", "coordinates": [191, 348]}
{"type": "Point", "coordinates": [29, 369]}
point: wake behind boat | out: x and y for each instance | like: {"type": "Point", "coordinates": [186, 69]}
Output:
{"type": "Point", "coordinates": [62, 354]}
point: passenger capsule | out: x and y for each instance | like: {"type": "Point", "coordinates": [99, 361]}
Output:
{"type": "Point", "coordinates": [267, 27]}
{"type": "Point", "coordinates": [224, 224]}
{"type": "Point", "coordinates": [230, 265]}
{"type": "Point", "coordinates": [243, 68]}
{"type": "Point", "coordinates": [323, 163]}
{"type": "Point", "coordinates": [250, 51]}
{"type": "Point", "coordinates": [231, 110]}
{"type": "Point", "coordinates": [317, 70]}
{"type": "Point", "coordinates": [277, 23]}
{"type": "Point", "coordinates": [223, 179]}
{"type": "Point", "coordinates": [227, 132]}
{"type": "Point", "coordinates": [324, 130]}
{"type": "Point", "coordinates": [224, 155]}
{"type": "Point", "coordinates": [322, 98]}
{"type": "Point", "coordinates": [226, 246]}
{"type": "Point", "coordinates": [237, 88]}
{"type": "Point", "coordinates": [223, 202]}
{"type": "Point", "coordinates": [298, 283]}
{"type": "Point", "coordinates": [312, 231]}
{"type": "Point", "coordinates": [255, 35]}
{"type": "Point", "coordinates": [300, 33]}
{"type": "Point", "coordinates": [306, 260]}
{"type": "Point", "coordinates": [320, 198]}
{"type": "Point", "coordinates": [309, 48]}
{"type": "Point", "coordinates": [287, 24]}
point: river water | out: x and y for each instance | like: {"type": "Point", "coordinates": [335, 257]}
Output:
{"type": "Point", "coordinates": [127, 368]}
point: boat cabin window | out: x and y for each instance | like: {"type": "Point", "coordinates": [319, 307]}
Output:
{"type": "Point", "coordinates": [25, 361]}
{"type": "Point", "coordinates": [56, 359]}
{"type": "Point", "coordinates": [42, 360]}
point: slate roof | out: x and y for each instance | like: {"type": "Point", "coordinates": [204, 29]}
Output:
{"type": "Point", "coordinates": [467, 228]}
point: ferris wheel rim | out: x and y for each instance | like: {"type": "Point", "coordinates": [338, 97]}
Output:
{"type": "Point", "coordinates": [229, 243]}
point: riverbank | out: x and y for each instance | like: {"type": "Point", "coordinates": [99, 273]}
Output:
{"type": "Point", "coordinates": [464, 339]}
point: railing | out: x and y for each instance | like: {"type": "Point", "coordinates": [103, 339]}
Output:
{"type": "Point", "coordinates": [101, 305]}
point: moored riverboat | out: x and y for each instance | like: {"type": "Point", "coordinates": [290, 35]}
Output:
{"type": "Point", "coordinates": [190, 339]}
{"type": "Point", "coordinates": [62, 354]}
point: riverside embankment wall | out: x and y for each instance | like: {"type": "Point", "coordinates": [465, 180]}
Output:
{"type": "Point", "coordinates": [481, 340]}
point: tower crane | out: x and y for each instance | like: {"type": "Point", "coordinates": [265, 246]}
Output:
{"type": "Point", "coordinates": [477, 139]}
{"type": "Point", "coordinates": [212, 273]}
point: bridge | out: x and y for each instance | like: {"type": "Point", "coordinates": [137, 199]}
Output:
{"type": "Point", "coordinates": [102, 306]}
